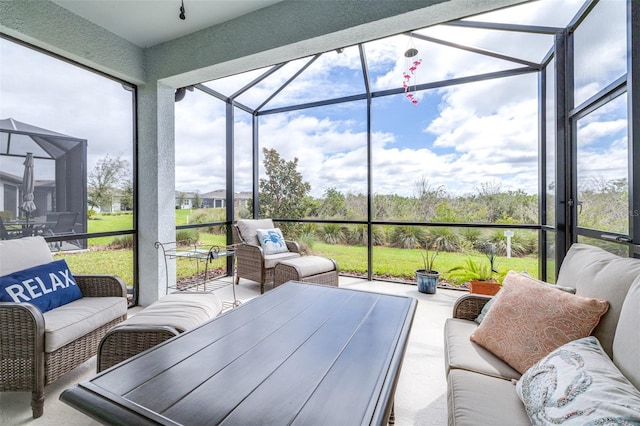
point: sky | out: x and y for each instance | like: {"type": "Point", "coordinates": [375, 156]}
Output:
{"type": "Point", "coordinates": [456, 137]}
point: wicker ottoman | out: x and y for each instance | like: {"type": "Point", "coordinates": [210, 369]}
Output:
{"type": "Point", "coordinates": [168, 317]}
{"type": "Point", "coordinates": [308, 269]}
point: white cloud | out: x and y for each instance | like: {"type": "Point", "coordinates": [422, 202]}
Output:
{"type": "Point", "coordinates": [55, 95]}
{"type": "Point", "coordinates": [595, 131]}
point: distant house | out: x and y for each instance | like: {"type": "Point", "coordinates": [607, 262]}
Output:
{"type": "Point", "coordinates": [114, 204]}
{"type": "Point", "coordinates": [11, 195]}
{"type": "Point", "coordinates": [186, 199]}
{"type": "Point", "coordinates": [212, 199]}
{"type": "Point", "coordinates": [217, 198]}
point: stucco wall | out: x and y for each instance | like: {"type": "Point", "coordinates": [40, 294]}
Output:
{"type": "Point", "coordinates": [46, 25]}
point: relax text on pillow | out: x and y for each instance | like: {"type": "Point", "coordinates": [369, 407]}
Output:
{"type": "Point", "coordinates": [46, 286]}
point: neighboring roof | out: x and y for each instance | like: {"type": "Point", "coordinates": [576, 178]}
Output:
{"type": "Point", "coordinates": [17, 180]}
{"type": "Point", "coordinates": [17, 138]}
{"type": "Point", "coordinates": [219, 194]}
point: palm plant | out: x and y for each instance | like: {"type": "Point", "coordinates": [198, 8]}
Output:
{"type": "Point", "coordinates": [429, 254]}
{"type": "Point", "coordinates": [471, 270]}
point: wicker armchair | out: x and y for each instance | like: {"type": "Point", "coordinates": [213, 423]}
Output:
{"type": "Point", "coordinates": [25, 365]}
{"type": "Point", "coordinates": [469, 306]}
{"type": "Point", "coordinates": [252, 263]}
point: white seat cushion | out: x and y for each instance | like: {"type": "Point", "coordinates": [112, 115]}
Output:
{"type": "Point", "coordinates": [73, 320]}
{"type": "Point", "coordinates": [182, 311]}
{"type": "Point", "coordinates": [271, 260]}
{"type": "Point", "coordinates": [476, 399]}
{"type": "Point", "coordinates": [462, 353]}
{"type": "Point", "coordinates": [310, 265]}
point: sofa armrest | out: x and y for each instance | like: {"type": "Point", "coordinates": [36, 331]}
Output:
{"type": "Point", "coordinates": [250, 252]}
{"type": "Point", "coordinates": [469, 306]}
{"type": "Point", "coordinates": [124, 341]}
{"type": "Point", "coordinates": [293, 246]}
{"type": "Point", "coordinates": [22, 343]}
{"type": "Point", "coordinates": [101, 285]}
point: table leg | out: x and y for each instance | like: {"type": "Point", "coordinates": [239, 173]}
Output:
{"type": "Point", "coordinates": [392, 416]}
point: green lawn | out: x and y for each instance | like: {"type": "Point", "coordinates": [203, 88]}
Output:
{"type": "Point", "coordinates": [387, 262]}
{"type": "Point", "coordinates": [395, 262]}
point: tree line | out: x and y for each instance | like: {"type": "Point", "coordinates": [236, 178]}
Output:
{"type": "Point", "coordinates": [285, 194]}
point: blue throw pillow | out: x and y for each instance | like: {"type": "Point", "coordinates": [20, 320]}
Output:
{"type": "Point", "coordinates": [46, 286]}
{"type": "Point", "coordinates": [272, 241]}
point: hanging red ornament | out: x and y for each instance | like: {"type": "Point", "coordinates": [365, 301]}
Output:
{"type": "Point", "coordinates": [410, 67]}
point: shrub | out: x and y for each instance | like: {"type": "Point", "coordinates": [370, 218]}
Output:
{"type": "Point", "coordinates": [187, 234]}
{"type": "Point", "coordinates": [470, 235]}
{"type": "Point", "coordinates": [408, 237]}
{"type": "Point", "coordinates": [332, 233]}
{"type": "Point", "coordinates": [122, 242]}
{"type": "Point", "coordinates": [444, 239]}
{"type": "Point", "coordinates": [356, 235]}
{"type": "Point", "coordinates": [523, 243]}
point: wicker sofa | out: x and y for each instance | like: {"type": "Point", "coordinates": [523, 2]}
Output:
{"type": "Point", "coordinates": [480, 386]}
{"type": "Point", "coordinates": [36, 348]}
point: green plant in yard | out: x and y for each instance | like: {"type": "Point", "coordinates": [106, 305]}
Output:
{"type": "Point", "coordinates": [122, 242]}
{"type": "Point", "coordinates": [332, 233]}
{"type": "Point", "coordinates": [187, 234]}
{"type": "Point", "coordinates": [471, 270]}
{"type": "Point", "coordinates": [445, 239]}
{"type": "Point", "coordinates": [358, 235]}
{"type": "Point", "coordinates": [406, 236]}
{"type": "Point", "coordinates": [429, 252]}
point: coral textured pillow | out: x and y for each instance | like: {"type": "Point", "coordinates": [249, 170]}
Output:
{"type": "Point", "coordinates": [528, 320]}
{"type": "Point", "coordinates": [488, 305]}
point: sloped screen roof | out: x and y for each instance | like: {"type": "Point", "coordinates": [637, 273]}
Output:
{"type": "Point", "coordinates": [17, 138]}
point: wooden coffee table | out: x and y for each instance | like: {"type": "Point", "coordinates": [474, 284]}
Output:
{"type": "Point", "coordinates": [301, 354]}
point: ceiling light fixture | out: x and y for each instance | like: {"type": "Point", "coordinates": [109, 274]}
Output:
{"type": "Point", "coordinates": [181, 92]}
{"type": "Point", "coordinates": [182, 15]}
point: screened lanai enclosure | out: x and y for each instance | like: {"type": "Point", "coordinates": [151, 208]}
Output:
{"type": "Point", "coordinates": [511, 130]}
{"type": "Point", "coordinates": [59, 182]}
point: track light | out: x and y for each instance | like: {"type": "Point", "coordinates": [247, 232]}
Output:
{"type": "Point", "coordinates": [182, 15]}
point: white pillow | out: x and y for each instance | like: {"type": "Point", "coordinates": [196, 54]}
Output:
{"type": "Point", "coordinates": [272, 241]}
{"type": "Point", "coordinates": [578, 384]}
{"type": "Point", "coordinates": [23, 253]}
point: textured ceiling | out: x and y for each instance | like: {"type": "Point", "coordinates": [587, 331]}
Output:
{"type": "Point", "coordinates": [147, 23]}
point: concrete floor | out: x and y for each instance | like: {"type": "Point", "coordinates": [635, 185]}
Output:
{"type": "Point", "coordinates": [420, 395]}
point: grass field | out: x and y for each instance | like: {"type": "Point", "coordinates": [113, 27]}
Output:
{"type": "Point", "coordinates": [388, 263]}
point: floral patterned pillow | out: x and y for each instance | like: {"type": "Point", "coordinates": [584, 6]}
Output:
{"type": "Point", "coordinates": [578, 384]}
{"type": "Point", "coordinates": [272, 241]}
{"type": "Point", "coordinates": [521, 275]}
{"type": "Point", "coordinates": [528, 320]}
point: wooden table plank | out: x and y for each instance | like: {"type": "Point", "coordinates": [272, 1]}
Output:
{"type": "Point", "coordinates": [286, 391]}
{"type": "Point", "coordinates": [161, 358]}
{"type": "Point", "coordinates": [231, 368]}
{"type": "Point", "coordinates": [348, 393]}
{"type": "Point", "coordinates": [301, 353]}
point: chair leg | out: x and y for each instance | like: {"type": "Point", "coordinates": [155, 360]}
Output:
{"type": "Point", "coordinates": [37, 404]}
